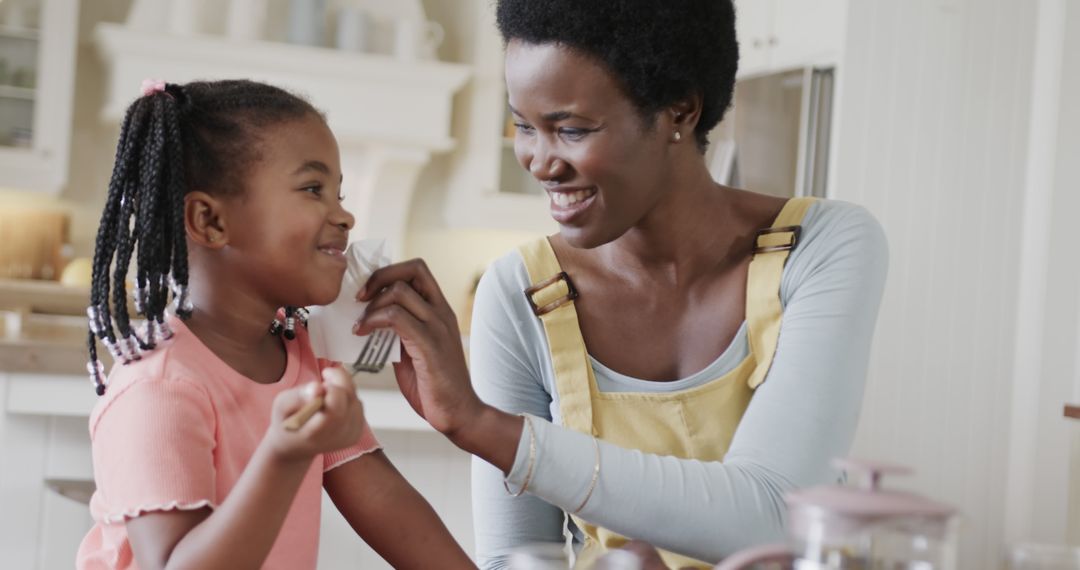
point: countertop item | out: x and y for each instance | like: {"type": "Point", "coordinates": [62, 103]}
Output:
{"type": "Point", "coordinates": [77, 273]}
{"type": "Point", "coordinates": [31, 243]}
{"type": "Point", "coordinates": [841, 527]}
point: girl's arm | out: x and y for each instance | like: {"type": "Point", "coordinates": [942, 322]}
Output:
{"type": "Point", "coordinates": [391, 516]}
{"type": "Point", "coordinates": [240, 532]}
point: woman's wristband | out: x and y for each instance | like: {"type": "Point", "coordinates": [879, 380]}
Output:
{"type": "Point", "coordinates": [532, 460]}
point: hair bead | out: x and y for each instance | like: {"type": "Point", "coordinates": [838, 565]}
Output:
{"type": "Point", "coordinates": [96, 370]}
{"type": "Point", "coordinates": [94, 319]}
{"type": "Point", "coordinates": [290, 323]}
{"type": "Point", "coordinates": [140, 294]}
{"type": "Point", "coordinates": [165, 330]}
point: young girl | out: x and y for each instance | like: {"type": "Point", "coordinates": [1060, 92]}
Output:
{"type": "Point", "coordinates": [227, 194]}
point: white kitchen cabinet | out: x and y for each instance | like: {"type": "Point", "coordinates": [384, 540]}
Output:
{"type": "Point", "coordinates": [37, 75]}
{"type": "Point", "coordinates": [777, 35]}
{"type": "Point", "coordinates": [487, 187]}
{"type": "Point", "coordinates": [753, 27]}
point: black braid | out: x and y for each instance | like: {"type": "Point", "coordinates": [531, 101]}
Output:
{"type": "Point", "coordinates": [150, 177]}
{"type": "Point", "coordinates": [106, 239]}
{"type": "Point", "coordinates": [176, 191]}
{"type": "Point", "coordinates": [200, 135]}
{"type": "Point", "coordinates": [126, 236]}
{"type": "Point", "coordinates": [144, 230]}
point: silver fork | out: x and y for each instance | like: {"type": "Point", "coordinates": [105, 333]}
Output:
{"type": "Point", "coordinates": [376, 351]}
{"type": "Point", "coordinates": [372, 359]}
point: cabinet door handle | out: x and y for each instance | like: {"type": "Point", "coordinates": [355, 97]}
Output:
{"type": "Point", "coordinates": [1072, 411]}
{"type": "Point", "coordinates": [773, 41]}
{"type": "Point", "coordinates": [758, 44]}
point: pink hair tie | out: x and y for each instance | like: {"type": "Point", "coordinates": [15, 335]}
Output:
{"type": "Point", "coordinates": [151, 86]}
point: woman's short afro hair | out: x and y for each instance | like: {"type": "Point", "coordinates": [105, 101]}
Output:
{"type": "Point", "coordinates": [660, 50]}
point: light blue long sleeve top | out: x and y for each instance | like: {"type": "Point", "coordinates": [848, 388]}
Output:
{"type": "Point", "coordinates": [803, 415]}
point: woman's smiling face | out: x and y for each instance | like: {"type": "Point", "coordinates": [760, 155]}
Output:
{"type": "Point", "coordinates": [602, 164]}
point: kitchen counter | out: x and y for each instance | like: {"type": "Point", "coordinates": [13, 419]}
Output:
{"type": "Point", "coordinates": [71, 396]}
{"type": "Point", "coordinates": [43, 297]}
{"type": "Point", "coordinates": [44, 357]}
{"type": "Point", "coordinates": [43, 328]}
{"type": "Point", "coordinates": [43, 353]}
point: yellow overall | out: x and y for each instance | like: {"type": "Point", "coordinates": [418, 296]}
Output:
{"type": "Point", "coordinates": [697, 423]}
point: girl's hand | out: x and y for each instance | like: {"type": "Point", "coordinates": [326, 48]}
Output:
{"type": "Point", "coordinates": [338, 424]}
{"type": "Point", "coordinates": [432, 373]}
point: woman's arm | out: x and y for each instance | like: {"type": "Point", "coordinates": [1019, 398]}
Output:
{"type": "Point", "coordinates": [506, 373]}
{"type": "Point", "coordinates": [240, 532]}
{"type": "Point", "coordinates": [502, 522]}
{"type": "Point", "coordinates": [391, 516]}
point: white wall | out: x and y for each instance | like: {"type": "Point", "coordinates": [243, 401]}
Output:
{"type": "Point", "coordinates": [933, 134]}
{"type": "Point", "coordinates": [1061, 379]}
{"type": "Point", "coordinates": [1037, 507]}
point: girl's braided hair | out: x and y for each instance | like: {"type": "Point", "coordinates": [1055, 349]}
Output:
{"type": "Point", "coordinates": [201, 135]}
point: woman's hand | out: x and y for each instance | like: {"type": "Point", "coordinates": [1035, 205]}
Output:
{"type": "Point", "coordinates": [338, 424]}
{"type": "Point", "coordinates": [432, 373]}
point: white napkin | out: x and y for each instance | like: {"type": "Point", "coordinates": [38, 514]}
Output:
{"type": "Point", "coordinates": [330, 326]}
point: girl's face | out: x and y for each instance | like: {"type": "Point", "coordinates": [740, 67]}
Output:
{"type": "Point", "coordinates": [602, 165]}
{"type": "Point", "coordinates": [287, 229]}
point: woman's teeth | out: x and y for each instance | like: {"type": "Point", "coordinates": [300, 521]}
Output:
{"type": "Point", "coordinates": [565, 199]}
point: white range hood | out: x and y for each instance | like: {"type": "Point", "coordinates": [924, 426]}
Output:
{"type": "Point", "coordinates": [389, 115]}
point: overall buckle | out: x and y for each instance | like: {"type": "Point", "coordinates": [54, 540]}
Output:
{"type": "Point", "coordinates": [571, 294]}
{"type": "Point", "coordinates": [795, 231]}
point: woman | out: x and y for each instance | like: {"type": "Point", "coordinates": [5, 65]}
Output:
{"type": "Point", "coordinates": [683, 353]}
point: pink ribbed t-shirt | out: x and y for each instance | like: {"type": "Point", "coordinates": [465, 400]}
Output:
{"type": "Point", "coordinates": [175, 431]}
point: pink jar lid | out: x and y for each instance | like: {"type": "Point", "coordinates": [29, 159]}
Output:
{"type": "Point", "coordinates": [869, 502]}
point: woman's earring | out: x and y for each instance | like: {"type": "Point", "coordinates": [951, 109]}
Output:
{"type": "Point", "coordinates": [677, 136]}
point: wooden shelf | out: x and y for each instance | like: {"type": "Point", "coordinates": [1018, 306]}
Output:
{"type": "Point", "coordinates": [1072, 411]}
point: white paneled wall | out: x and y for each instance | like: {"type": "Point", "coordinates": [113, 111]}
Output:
{"type": "Point", "coordinates": [932, 139]}
{"type": "Point", "coordinates": [1061, 347]}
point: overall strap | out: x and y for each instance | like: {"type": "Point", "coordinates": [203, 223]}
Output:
{"type": "Point", "coordinates": [551, 298]}
{"type": "Point", "coordinates": [763, 310]}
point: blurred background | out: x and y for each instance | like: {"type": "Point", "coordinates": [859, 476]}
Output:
{"type": "Point", "coordinates": [948, 119]}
